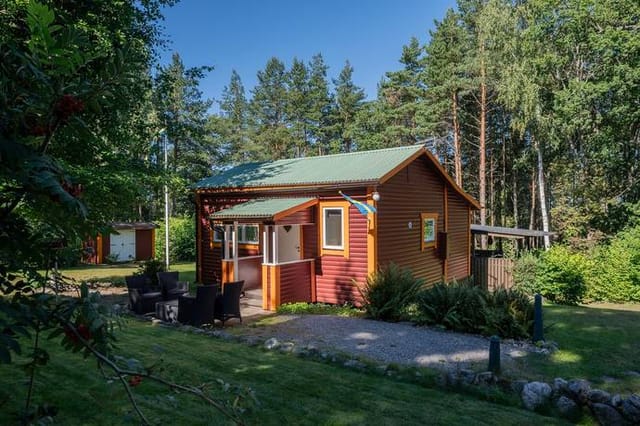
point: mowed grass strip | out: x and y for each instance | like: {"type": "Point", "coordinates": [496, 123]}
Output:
{"type": "Point", "coordinates": [290, 390]}
{"type": "Point", "coordinates": [116, 273]}
{"type": "Point", "coordinates": [596, 342]}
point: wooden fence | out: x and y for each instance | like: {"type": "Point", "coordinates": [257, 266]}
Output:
{"type": "Point", "coordinates": [492, 273]}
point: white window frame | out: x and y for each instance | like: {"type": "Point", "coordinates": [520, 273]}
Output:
{"type": "Point", "coordinates": [324, 228]}
{"type": "Point", "coordinates": [241, 234]}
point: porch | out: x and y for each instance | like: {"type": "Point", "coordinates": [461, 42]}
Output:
{"type": "Point", "coordinates": [281, 269]}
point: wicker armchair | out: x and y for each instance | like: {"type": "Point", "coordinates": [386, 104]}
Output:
{"type": "Point", "coordinates": [228, 303]}
{"type": "Point", "coordinates": [170, 286]}
{"type": "Point", "coordinates": [199, 309]}
{"type": "Point", "coordinates": [142, 297]}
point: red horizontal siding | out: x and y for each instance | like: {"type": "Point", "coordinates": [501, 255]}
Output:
{"type": "Point", "coordinates": [295, 282]}
{"type": "Point", "coordinates": [303, 216]}
{"type": "Point", "coordinates": [335, 274]}
{"type": "Point", "coordinates": [458, 238]}
{"type": "Point", "coordinates": [416, 189]}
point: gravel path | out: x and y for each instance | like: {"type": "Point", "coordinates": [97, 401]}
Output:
{"type": "Point", "coordinates": [388, 342]}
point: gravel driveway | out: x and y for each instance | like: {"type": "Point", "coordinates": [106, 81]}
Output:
{"type": "Point", "coordinates": [388, 342]}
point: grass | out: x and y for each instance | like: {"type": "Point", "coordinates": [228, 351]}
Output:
{"type": "Point", "coordinates": [116, 273]}
{"type": "Point", "coordinates": [290, 390]}
{"type": "Point", "coordinates": [302, 308]}
{"type": "Point", "coordinates": [597, 343]}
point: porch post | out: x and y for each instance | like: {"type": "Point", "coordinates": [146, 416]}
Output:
{"type": "Point", "coordinates": [265, 244]}
{"type": "Point", "coordinates": [235, 250]}
{"type": "Point", "coordinates": [227, 234]}
{"type": "Point", "coordinates": [275, 244]}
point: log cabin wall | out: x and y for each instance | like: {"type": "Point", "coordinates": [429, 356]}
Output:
{"type": "Point", "coordinates": [459, 258]}
{"type": "Point", "coordinates": [414, 190]}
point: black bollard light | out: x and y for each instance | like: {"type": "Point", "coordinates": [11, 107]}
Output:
{"type": "Point", "coordinates": [538, 332]}
{"type": "Point", "coordinates": [494, 354]}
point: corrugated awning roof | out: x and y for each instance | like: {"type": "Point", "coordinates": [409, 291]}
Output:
{"type": "Point", "coordinates": [500, 231]}
{"type": "Point", "coordinates": [264, 209]}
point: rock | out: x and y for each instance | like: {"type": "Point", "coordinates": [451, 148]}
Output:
{"type": "Point", "coordinates": [578, 390]}
{"type": "Point", "coordinates": [599, 396]}
{"type": "Point", "coordinates": [607, 415]}
{"type": "Point", "coordinates": [616, 400]}
{"type": "Point", "coordinates": [272, 344]}
{"type": "Point", "coordinates": [560, 386]}
{"type": "Point", "coordinates": [568, 409]}
{"type": "Point", "coordinates": [631, 408]}
{"type": "Point", "coordinates": [466, 376]}
{"type": "Point", "coordinates": [535, 395]}
{"type": "Point", "coordinates": [484, 378]}
{"type": "Point", "coordinates": [287, 347]}
{"type": "Point", "coordinates": [518, 385]}
{"type": "Point", "coordinates": [354, 363]}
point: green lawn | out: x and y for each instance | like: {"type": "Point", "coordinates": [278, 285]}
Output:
{"type": "Point", "coordinates": [597, 342]}
{"type": "Point", "coordinates": [116, 273]}
{"type": "Point", "coordinates": [290, 390]}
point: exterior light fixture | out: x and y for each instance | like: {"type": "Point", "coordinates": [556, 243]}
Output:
{"type": "Point", "coordinates": [375, 196]}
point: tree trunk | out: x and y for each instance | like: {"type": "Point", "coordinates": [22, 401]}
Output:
{"type": "Point", "coordinates": [514, 196]}
{"type": "Point", "coordinates": [543, 198]}
{"type": "Point", "coordinates": [532, 215]}
{"type": "Point", "coordinates": [482, 168]}
{"type": "Point", "coordinates": [492, 192]}
{"type": "Point", "coordinates": [457, 149]}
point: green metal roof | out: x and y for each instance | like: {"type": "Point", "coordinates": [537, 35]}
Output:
{"type": "Point", "coordinates": [362, 166]}
{"type": "Point", "coordinates": [264, 208]}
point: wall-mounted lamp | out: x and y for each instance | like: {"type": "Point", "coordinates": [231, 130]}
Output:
{"type": "Point", "coordinates": [375, 196]}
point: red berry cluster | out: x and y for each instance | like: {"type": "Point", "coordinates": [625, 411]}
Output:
{"type": "Point", "coordinates": [68, 105]}
{"type": "Point", "coordinates": [82, 330]}
{"type": "Point", "coordinates": [74, 189]}
{"type": "Point", "coordinates": [135, 380]}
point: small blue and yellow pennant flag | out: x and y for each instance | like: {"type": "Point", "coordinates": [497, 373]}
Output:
{"type": "Point", "coordinates": [363, 208]}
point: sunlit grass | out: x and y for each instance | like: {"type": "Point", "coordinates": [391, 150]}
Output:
{"type": "Point", "coordinates": [116, 273]}
{"type": "Point", "coordinates": [290, 390]}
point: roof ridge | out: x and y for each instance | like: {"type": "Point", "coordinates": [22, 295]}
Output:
{"type": "Point", "coordinates": [343, 154]}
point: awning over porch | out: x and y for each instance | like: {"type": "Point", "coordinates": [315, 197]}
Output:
{"type": "Point", "coordinates": [267, 209]}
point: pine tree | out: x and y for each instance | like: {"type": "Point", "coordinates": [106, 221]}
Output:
{"type": "Point", "coordinates": [232, 126]}
{"type": "Point", "coordinates": [348, 101]}
{"type": "Point", "coordinates": [298, 105]}
{"type": "Point", "coordinates": [317, 115]}
{"type": "Point", "coordinates": [269, 112]}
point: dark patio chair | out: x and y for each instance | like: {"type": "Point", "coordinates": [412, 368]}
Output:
{"type": "Point", "coordinates": [170, 286]}
{"type": "Point", "coordinates": [142, 297]}
{"type": "Point", "coordinates": [199, 309]}
{"type": "Point", "coordinates": [228, 303]}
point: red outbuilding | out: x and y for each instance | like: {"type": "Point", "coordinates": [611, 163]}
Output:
{"type": "Point", "coordinates": [130, 241]}
{"type": "Point", "coordinates": [311, 229]}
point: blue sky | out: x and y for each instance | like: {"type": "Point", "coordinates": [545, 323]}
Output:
{"type": "Point", "coordinates": [244, 34]}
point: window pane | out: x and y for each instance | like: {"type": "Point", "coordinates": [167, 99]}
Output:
{"type": "Point", "coordinates": [218, 233]}
{"type": "Point", "coordinates": [251, 234]}
{"type": "Point", "coordinates": [429, 230]}
{"type": "Point", "coordinates": [333, 227]}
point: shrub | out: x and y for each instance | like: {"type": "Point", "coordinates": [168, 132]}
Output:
{"type": "Point", "coordinates": [560, 276]}
{"type": "Point", "coordinates": [470, 309]}
{"type": "Point", "coordinates": [508, 313]}
{"type": "Point", "coordinates": [388, 292]}
{"type": "Point", "coordinates": [615, 275]}
{"type": "Point", "coordinates": [182, 239]}
{"type": "Point", "coordinates": [150, 268]}
{"type": "Point", "coordinates": [454, 306]}
{"type": "Point", "coordinates": [524, 272]}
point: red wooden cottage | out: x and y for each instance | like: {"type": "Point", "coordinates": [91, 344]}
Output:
{"type": "Point", "coordinates": [284, 226]}
{"type": "Point", "coordinates": [129, 241]}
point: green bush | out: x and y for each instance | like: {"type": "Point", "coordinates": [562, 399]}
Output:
{"type": "Point", "coordinates": [507, 313]}
{"type": "Point", "coordinates": [388, 293]}
{"type": "Point", "coordinates": [454, 306]}
{"type": "Point", "coordinates": [470, 309]}
{"type": "Point", "coordinates": [615, 276]}
{"type": "Point", "coordinates": [561, 276]}
{"type": "Point", "coordinates": [182, 240]}
{"type": "Point", "coordinates": [524, 272]}
{"type": "Point", "coordinates": [150, 269]}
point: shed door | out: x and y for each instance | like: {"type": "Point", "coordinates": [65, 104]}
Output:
{"type": "Point", "coordinates": [123, 245]}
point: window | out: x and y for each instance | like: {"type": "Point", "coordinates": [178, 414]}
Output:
{"type": "Point", "coordinates": [247, 234]}
{"type": "Point", "coordinates": [429, 230]}
{"type": "Point", "coordinates": [332, 230]}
